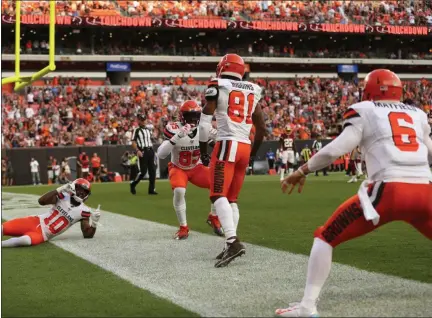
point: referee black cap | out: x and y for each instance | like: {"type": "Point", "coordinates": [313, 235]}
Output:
{"type": "Point", "coordinates": [142, 117]}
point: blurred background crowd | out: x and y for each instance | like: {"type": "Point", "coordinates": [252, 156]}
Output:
{"type": "Point", "coordinates": [71, 111]}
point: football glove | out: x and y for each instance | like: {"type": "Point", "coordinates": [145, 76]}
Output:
{"type": "Point", "coordinates": [184, 131]}
{"type": "Point", "coordinates": [95, 216]}
{"type": "Point", "coordinates": [68, 188]}
{"type": "Point", "coordinates": [205, 159]}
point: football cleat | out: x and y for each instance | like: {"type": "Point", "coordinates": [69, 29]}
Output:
{"type": "Point", "coordinates": [231, 252]}
{"type": "Point", "coordinates": [132, 189]}
{"type": "Point", "coordinates": [214, 222]}
{"type": "Point", "coordinates": [182, 233]}
{"type": "Point", "coordinates": [220, 255]}
{"type": "Point", "coordinates": [296, 310]}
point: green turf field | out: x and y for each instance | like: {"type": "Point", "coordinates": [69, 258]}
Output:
{"type": "Point", "coordinates": [268, 218]}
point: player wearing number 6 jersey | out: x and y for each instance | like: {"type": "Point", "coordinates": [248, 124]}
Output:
{"type": "Point", "coordinates": [394, 138]}
{"type": "Point", "coordinates": [235, 105]}
{"type": "Point", "coordinates": [185, 166]}
{"type": "Point", "coordinates": [67, 209]}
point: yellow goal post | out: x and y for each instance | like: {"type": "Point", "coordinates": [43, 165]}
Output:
{"type": "Point", "coordinates": [22, 81]}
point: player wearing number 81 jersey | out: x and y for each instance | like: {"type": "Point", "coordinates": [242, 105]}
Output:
{"type": "Point", "coordinates": [185, 166]}
{"type": "Point", "coordinates": [234, 103]}
{"type": "Point", "coordinates": [67, 209]}
{"type": "Point", "coordinates": [394, 138]}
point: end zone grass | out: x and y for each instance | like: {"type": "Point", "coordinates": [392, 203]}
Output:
{"type": "Point", "coordinates": [268, 218]}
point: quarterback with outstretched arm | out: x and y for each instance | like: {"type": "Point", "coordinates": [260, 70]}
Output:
{"type": "Point", "coordinates": [394, 138]}
{"type": "Point", "coordinates": [67, 209]}
{"type": "Point", "coordinates": [235, 104]}
{"type": "Point", "coordinates": [182, 142]}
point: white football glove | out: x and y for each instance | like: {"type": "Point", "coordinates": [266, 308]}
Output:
{"type": "Point", "coordinates": [68, 188]}
{"type": "Point", "coordinates": [95, 216]}
{"type": "Point", "coordinates": [183, 131]}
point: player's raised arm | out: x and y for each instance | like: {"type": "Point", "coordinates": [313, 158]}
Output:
{"type": "Point", "coordinates": [52, 196]}
{"type": "Point", "coordinates": [348, 140]}
{"type": "Point", "coordinates": [259, 123]}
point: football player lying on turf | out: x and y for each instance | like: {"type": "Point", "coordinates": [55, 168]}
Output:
{"type": "Point", "coordinates": [185, 166]}
{"type": "Point", "coordinates": [67, 209]}
{"type": "Point", "coordinates": [394, 138]}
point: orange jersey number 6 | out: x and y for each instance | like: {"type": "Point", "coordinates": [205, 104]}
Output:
{"type": "Point", "coordinates": [399, 132]}
{"type": "Point", "coordinates": [236, 107]}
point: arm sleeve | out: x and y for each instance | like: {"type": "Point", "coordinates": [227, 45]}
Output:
{"type": "Point", "coordinates": [164, 149]}
{"type": "Point", "coordinates": [134, 134]}
{"type": "Point", "coordinates": [212, 91]}
{"type": "Point", "coordinates": [345, 143]}
{"type": "Point", "coordinates": [168, 134]}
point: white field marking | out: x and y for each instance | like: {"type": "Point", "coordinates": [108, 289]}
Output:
{"type": "Point", "coordinates": [144, 253]}
{"type": "Point", "coordinates": [257, 178]}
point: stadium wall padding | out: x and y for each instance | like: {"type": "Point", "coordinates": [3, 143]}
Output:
{"type": "Point", "coordinates": [110, 155]}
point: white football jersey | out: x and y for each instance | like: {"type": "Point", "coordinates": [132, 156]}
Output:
{"type": "Point", "coordinates": [62, 216]}
{"type": "Point", "coordinates": [393, 139]}
{"type": "Point", "coordinates": [186, 152]}
{"type": "Point", "coordinates": [236, 102]}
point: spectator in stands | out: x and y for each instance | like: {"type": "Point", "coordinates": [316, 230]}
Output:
{"type": "Point", "coordinates": [84, 163]}
{"type": "Point", "coordinates": [34, 169]}
{"type": "Point", "coordinates": [125, 162]}
{"type": "Point", "coordinates": [4, 171]}
{"type": "Point", "coordinates": [66, 170]}
{"type": "Point", "coordinates": [96, 167]}
{"type": "Point", "coordinates": [270, 155]}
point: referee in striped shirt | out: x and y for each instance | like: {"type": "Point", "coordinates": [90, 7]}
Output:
{"type": "Point", "coordinates": [141, 142]}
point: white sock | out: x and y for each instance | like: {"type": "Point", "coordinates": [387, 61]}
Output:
{"type": "Point", "coordinates": [24, 240]}
{"type": "Point", "coordinates": [179, 203]}
{"type": "Point", "coordinates": [318, 270]}
{"type": "Point", "coordinates": [213, 210]}
{"type": "Point", "coordinates": [225, 214]}
{"type": "Point", "coordinates": [290, 170]}
{"type": "Point", "coordinates": [236, 214]}
{"type": "Point", "coordinates": [282, 173]}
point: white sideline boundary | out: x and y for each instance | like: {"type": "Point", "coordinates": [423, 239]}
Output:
{"type": "Point", "coordinates": [144, 254]}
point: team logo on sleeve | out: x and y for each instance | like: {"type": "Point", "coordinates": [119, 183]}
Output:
{"type": "Point", "coordinates": [211, 92]}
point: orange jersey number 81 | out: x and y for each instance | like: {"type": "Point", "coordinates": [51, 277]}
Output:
{"type": "Point", "coordinates": [236, 107]}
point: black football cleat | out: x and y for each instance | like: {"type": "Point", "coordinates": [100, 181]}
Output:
{"type": "Point", "coordinates": [132, 189]}
{"type": "Point", "coordinates": [153, 193]}
{"type": "Point", "coordinates": [220, 255]}
{"type": "Point", "coordinates": [232, 251]}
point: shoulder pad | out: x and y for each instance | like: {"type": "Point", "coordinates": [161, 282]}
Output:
{"type": "Point", "coordinates": [350, 113]}
{"type": "Point", "coordinates": [62, 196]}
{"type": "Point", "coordinates": [214, 82]}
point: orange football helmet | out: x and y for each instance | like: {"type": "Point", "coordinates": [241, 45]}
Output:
{"type": "Point", "coordinates": [82, 190]}
{"type": "Point", "coordinates": [232, 65]}
{"type": "Point", "coordinates": [190, 113]}
{"type": "Point", "coordinates": [382, 84]}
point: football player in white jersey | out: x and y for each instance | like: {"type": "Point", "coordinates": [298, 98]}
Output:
{"type": "Point", "coordinates": [394, 138]}
{"type": "Point", "coordinates": [185, 166]}
{"type": "Point", "coordinates": [67, 209]}
{"type": "Point", "coordinates": [235, 105]}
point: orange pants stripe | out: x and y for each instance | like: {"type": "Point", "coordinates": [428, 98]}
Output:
{"type": "Point", "coordinates": [199, 176]}
{"type": "Point", "coordinates": [395, 201]}
{"type": "Point", "coordinates": [228, 165]}
{"type": "Point", "coordinates": [25, 226]}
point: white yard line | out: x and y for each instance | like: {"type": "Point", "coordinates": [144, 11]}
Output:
{"type": "Point", "coordinates": [144, 253]}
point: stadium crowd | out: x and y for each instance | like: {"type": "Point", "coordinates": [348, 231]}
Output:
{"type": "Point", "coordinates": [406, 12]}
{"type": "Point", "coordinates": [99, 41]}
{"type": "Point", "coordinates": [69, 111]}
